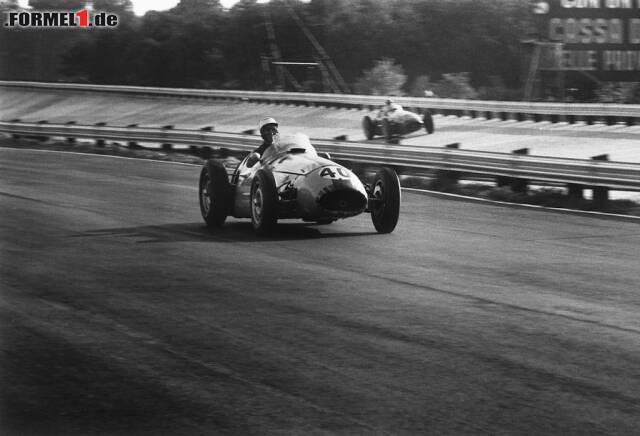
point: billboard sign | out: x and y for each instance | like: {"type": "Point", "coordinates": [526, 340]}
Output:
{"type": "Point", "coordinates": [601, 37]}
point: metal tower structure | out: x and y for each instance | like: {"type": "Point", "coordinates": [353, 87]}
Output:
{"type": "Point", "coordinates": [330, 73]}
{"type": "Point", "coordinates": [332, 81]}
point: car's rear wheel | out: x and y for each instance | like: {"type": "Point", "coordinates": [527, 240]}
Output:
{"type": "Point", "coordinates": [385, 207]}
{"type": "Point", "coordinates": [264, 202]}
{"type": "Point", "coordinates": [428, 122]}
{"type": "Point", "coordinates": [214, 193]}
{"type": "Point", "coordinates": [368, 127]}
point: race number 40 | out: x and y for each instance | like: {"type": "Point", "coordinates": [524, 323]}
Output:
{"type": "Point", "coordinates": [335, 173]}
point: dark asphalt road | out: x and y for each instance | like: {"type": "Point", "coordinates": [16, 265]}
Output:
{"type": "Point", "coordinates": [120, 313]}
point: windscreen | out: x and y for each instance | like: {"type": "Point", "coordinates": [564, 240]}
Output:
{"type": "Point", "coordinates": [298, 143]}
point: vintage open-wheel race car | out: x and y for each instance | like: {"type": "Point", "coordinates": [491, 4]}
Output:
{"type": "Point", "coordinates": [291, 180]}
{"type": "Point", "coordinates": [396, 121]}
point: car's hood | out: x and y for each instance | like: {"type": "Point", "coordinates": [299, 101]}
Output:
{"type": "Point", "coordinates": [406, 116]}
{"type": "Point", "coordinates": [297, 163]}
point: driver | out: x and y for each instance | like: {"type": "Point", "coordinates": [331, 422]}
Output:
{"type": "Point", "coordinates": [388, 108]}
{"type": "Point", "coordinates": [269, 131]}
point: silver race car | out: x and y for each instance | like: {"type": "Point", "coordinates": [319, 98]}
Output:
{"type": "Point", "coordinates": [292, 181]}
{"type": "Point", "coordinates": [395, 121]}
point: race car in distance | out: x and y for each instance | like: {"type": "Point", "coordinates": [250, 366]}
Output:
{"type": "Point", "coordinates": [292, 181]}
{"type": "Point", "coordinates": [395, 121]}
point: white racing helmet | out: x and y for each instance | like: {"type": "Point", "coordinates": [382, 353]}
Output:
{"type": "Point", "coordinates": [265, 122]}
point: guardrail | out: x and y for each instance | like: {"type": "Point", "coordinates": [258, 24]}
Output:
{"type": "Point", "coordinates": [598, 173]}
{"type": "Point", "coordinates": [520, 111]}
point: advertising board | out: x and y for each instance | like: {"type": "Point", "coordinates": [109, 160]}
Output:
{"type": "Point", "coordinates": [599, 37]}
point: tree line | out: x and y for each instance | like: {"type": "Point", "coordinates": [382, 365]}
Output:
{"type": "Point", "coordinates": [462, 48]}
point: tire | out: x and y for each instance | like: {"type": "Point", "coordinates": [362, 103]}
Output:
{"type": "Point", "coordinates": [386, 188]}
{"type": "Point", "coordinates": [214, 193]}
{"type": "Point", "coordinates": [386, 129]}
{"type": "Point", "coordinates": [368, 127]}
{"type": "Point", "coordinates": [428, 123]}
{"type": "Point", "coordinates": [264, 202]}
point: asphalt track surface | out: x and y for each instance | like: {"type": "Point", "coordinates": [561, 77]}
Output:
{"type": "Point", "coordinates": [122, 314]}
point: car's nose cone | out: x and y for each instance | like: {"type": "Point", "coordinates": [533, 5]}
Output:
{"type": "Point", "coordinates": [343, 201]}
{"type": "Point", "coordinates": [330, 191]}
{"type": "Point", "coordinates": [415, 125]}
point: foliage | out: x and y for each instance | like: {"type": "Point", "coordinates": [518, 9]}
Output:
{"type": "Point", "coordinates": [455, 85]}
{"type": "Point", "coordinates": [117, 6]}
{"type": "Point", "coordinates": [57, 5]}
{"type": "Point", "coordinates": [496, 89]}
{"type": "Point", "coordinates": [385, 78]}
{"type": "Point", "coordinates": [619, 92]}
{"type": "Point", "coordinates": [200, 44]}
{"type": "Point", "coordinates": [421, 85]}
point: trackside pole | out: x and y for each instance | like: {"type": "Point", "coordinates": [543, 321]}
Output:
{"type": "Point", "coordinates": [133, 144]}
{"type": "Point", "coordinates": [516, 184]}
{"type": "Point", "coordinates": [574, 194]}
{"type": "Point", "coordinates": [70, 139]}
{"type": "Point", "coordinates": [167, 146]}
{"type": "Point", "coordinates": [445, 179]}
{"type": "Point", "coordinates": [600, 193]}
{"type": "Point", "coordinates": [100, 142]}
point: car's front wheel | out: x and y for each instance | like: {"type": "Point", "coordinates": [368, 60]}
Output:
{"type": "Point", "coordinates": [214, 193]}
{"type": "Point", "coordinates": [264, 202]}
{"type": "Point", "coordinates": [385, 203]}
{"type": "Point", "coordinates": [428, 122]}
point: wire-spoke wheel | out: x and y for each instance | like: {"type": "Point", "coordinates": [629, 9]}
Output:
{"type": "Point", "coordinates": [385, 192]}
{"type": "Point", "coordinates": [256, 204]}
{"type": "Point", "coordinates": [264, 202]}
{"type": "Point", "coordinates": [205, 196]}
{"type": "Point", "coordinates": [214, 193]}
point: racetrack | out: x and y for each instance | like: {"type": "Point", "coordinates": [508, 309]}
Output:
{"type": "Point", "coordinates": [565, 140]}
{"type": "Point", "coordinates": [120, 313]}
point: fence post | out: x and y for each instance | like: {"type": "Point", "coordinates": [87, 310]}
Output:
{"type": "Point", "coordinates": [42, 138]}
{"type": "Point", "coordinates": [574, 194]}
{"type": "Point", "coordinates": [70, 139]}
{"type": "Point", "coordinates": [446, 179]}
{"type": "Point", "coordinates": [518, 184]}
{"type": "Point", "coordinates": [100, 142]}
{"type": "Point", "coordinates": [15, 135]}
{"type": "Point", "coordinates": [515, 183]}
{"type": "Point", "coordinates": [133, 144]}
{"type": "Point", "coordinates": [167, 146]}
{"type": "Point", "coordinates": [600, 193]}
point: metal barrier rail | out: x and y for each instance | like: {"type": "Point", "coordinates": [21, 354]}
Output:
{"type": "Point", "coordinates": [408, 160]}
{"type": "Point", "coordinates": [554, 112]}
